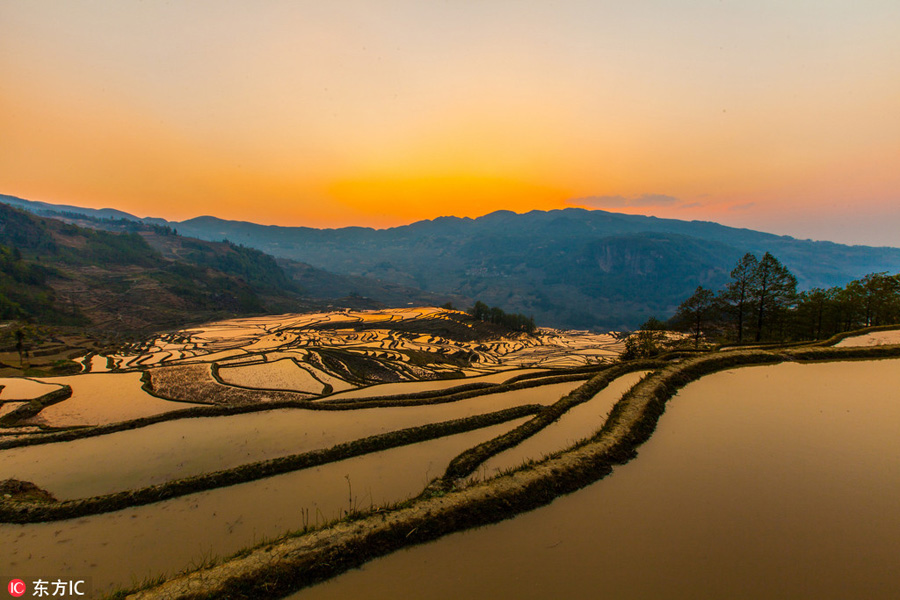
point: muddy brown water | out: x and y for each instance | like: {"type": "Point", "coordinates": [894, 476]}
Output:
{"type": "Point", "coordinates": [176, 449]}
{"type": "Point", "coordinates": [124, 547]}
{"type": "Point", "coordinates": [762, 482]}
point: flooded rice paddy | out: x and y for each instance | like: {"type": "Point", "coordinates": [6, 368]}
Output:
{"type": "Point", "coordinates": [170, 450]}
{"type": "Point", "coordinates": [100, 398]}
{"type": "Point", "coordinates": [368, 334]}
{"type": "Point", "coordinates": [412, 387]}
{"type": "Point", "coordinates": [20, 388]}
{"type": "Point", "coordinates": [283, 374]}
{"type": "Point", "coordinates": [876, 338]}
{"type": "Point", "coordinates": [577, 423]}
{"type": "Point", "coordinates": [344, 354]}
{"type": "Point", "coordinates": [777, 481]}
{"type": "Point", "coordinates": [123, 547]}
{"type": "Point", "coordinates": [349, 355]}
{"type": "Point", "coordinates": [9, 406]}
{"type": "Point", "coordinates": [760, 482]}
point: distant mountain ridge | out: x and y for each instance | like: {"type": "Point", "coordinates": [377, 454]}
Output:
{"type": "Point", "coordinates": [318, 288]}
{"type": "Point", "coordinates": [38, 208]}
{"type": "Point", "coordinates": [571, 268]}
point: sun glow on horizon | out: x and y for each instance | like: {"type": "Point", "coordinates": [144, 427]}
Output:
{"type": "Point", "coordinates": [768, 115]}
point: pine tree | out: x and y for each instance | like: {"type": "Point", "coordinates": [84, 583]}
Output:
{"type": "Point", "coordinates": [737, 293]}
{"type": "Point", "coordinates": [772, 289]}
{"type": "Point", "coordinates": [697, 312]}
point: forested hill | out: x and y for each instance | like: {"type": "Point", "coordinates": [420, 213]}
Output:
{"type": "Point", "coordinates": [147, 278]}
{"type": "Point", "coordinates": [566, 268]}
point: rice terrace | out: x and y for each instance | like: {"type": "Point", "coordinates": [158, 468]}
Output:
{"type": "Point", "coordinates": [255, 456]}
{"type": "Point", "coordinates": [405, 300]}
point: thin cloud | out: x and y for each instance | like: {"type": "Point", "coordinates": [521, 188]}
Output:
{"type": "Point", "coordinates": [643, 201]}
{"type": "Point", "coordinates": [744, 206]}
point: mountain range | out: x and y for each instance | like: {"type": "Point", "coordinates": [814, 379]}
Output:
{"type": "Point", "coordinates": [570, 268]}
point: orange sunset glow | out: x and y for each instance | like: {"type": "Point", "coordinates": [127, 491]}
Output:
{"type": "Point", "coordinates": [770, 115]}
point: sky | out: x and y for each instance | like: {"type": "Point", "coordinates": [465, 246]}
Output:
{"type": "Point", "coordinates": [767, 114]}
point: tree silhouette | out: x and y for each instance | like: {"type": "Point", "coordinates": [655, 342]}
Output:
{"type": "Point", "coordinates": [812, 307]}
{"type": "Point", "coordinates": [648, 341]}
{"type": "Point", "coordinates": [20, 345]}
{"type": "Point", "coordinates": [737, 293]}
{"type": "Point", "coordinates": [480, 311]}
{"type": "Point", "coordinates": [697, 311]}
{"type": "Point", "coordinates": [772, 289]}
{"type": "Point", "coordinates": [879, 293]}
{"type": "Point", "coordinates": [498, 316]}
{"type": "Point", "coordinates": [762, 298]}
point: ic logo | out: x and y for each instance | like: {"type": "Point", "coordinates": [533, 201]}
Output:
{"type": "Point", "coordinates": [16, 588]}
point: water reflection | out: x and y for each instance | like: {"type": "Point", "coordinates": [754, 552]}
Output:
{"type": "Point", "coordinates": [763, 482]}
{"type": "Point", "coordinates": [117, 548]}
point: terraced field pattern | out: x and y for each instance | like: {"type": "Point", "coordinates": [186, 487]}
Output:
{"type": "Point", "coordinates": [256, 457]}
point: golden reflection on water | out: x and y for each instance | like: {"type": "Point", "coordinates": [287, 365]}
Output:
{"type": "Point", "coordinates": [115, 548]}
{"type": "Point", "coordinates": [762, 482]}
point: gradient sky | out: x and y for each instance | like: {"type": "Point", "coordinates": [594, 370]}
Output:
{"type": "Point", "coordinates": [779, 115]}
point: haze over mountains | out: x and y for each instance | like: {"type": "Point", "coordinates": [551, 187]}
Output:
{"type": "Point", "coordinates": [569, 268]}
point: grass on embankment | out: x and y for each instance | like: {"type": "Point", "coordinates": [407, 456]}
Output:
{"type": "Point", "coordinates": [282, 567]}
{"type": "Point", "coordinates": [415, 399]}
{"type": "Point", "coordinates": [41, 511]}
{"type": "Point", "coordinates": [35, 406]}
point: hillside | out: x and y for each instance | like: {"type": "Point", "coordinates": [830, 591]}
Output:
{"type": "Point", "coordinates": [323, 288]}
{"type": "Point", "coordinates": [149, 278]}
{"type": "Point", "coordinates": [568, 268]}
